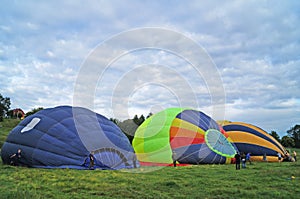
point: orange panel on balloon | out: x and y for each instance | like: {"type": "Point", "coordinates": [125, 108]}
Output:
{"type": "Point", "coordinates": [180, 132]}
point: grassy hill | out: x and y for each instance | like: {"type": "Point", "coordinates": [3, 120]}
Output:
{"type": "Point", "coordinates": [5, 127]}
{"type": "Point", "coordinates": [260, 180]}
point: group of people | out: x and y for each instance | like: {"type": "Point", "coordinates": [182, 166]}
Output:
{"type": "Point", "coordinates": [290, 158]}
{"type": "Point", "coordinates": [242, 157]}
{"type": "Point", "coordinates": [15, 159]}
{"type": "Point", "coordinates": [91, 161]}
{"type": "Point", "coordinates": [239, 158]}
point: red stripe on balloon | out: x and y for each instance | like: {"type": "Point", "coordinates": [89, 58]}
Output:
{"type": "Point", "coordinates": [177, 142]}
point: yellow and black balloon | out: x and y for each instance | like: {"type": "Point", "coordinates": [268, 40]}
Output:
{"type": "Point", "coordinates": [252, 139]}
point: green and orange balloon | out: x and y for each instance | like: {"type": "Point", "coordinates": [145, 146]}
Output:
{"type": "Point", "coordinates": [193, 136]}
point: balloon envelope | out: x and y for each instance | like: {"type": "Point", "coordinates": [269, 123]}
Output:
{"type": "Point", "coordinates": [65, 136]}
{"type": "Point", "coordinates": [250, 138]}
{"type": "Point", "coordinates": [193, 136]}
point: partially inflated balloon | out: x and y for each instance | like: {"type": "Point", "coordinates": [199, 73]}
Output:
{"type": "Point", "coordinates": [64, 137]}
{"type": "Point", "coordinates": [251, 139]}
{"type": "Point", "coordinates": [193, 136]}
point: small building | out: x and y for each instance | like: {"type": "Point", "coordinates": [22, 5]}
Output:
{"type": "Point", "coordinates": [19, 113]}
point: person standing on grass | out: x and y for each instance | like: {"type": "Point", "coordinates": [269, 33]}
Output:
{"type": "Point", "coordinates": [279, 157]}
{"type": "Point", "coordinates": [248, 157]}
{"type": "Point", "coordinates": [243, 157]}
{"type": "Point", "coordinates": [134, 160]}
{"type": "Point", "coordinates": [237, 160]}
{"type": "Point", "coordinates": [265, 157]}
{"type": "Point", "coordinates": [174, 158]}
{"type": "Point", "coordinates": [295, 156]}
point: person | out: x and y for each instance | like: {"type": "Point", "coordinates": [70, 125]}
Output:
{"type": "Point", "coordinates": [287, 157]}
{"type": "Point", "coordinates": [237, 160]}
{"type": "Point", "coordinates": [134, 160]}
{"type": "Point", "coordinates": [243, 157]}
{"type": "Point", "coordinates": [265, 157]}
{"type": "Point", "coordinates": [90, 161]}
{"type": "Point", "coordinates": [279, 157]}
{"type": "Point", "coordinates": [15, 158]}
{"type": "Point", "coordinates": [295, 156]}
{"type": "Point", "coordinates": [248, 158]}
{"type": "Point", "coordinates": [174, 158]}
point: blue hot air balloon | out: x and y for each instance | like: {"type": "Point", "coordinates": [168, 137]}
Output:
{"type": "Point", "coordinates": [69, 137]}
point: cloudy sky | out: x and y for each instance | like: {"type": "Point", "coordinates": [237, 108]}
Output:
{"type": "Point", "coordinates": [233, 60]}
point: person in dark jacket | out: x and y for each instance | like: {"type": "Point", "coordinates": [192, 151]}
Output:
{"type": "Point", "coordinates": [15, 158]}
{"type": "Point", "coordinates": [92, 161]}
{"type": "Point", "coordinates": [174, 158]}
{"type": "Point", "coordinates": [237, 161]}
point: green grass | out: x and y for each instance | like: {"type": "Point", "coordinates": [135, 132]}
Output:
{"type": "Point", "coordinates": [260, 180]}
{"type": "Point", "coordinates": [5, 127]}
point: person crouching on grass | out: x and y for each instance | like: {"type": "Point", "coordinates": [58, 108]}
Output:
{"type": "Point", "coordinates": [15, 158]}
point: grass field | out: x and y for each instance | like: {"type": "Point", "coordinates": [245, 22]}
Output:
{"type": "Point", "coordinates": [260, 180]}
{"type": "Point", "coordinates": [5, 127]}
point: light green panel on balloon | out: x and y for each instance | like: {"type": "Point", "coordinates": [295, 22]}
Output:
{"type": "Point", "coordinates": [152, 138]}
{"type": "Point", "coordinates": [163, 155]}
{"type": "Point", "coordinates": [138, 140]}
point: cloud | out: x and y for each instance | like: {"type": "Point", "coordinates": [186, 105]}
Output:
{"type": "Point", "coordinates": [254, 45]}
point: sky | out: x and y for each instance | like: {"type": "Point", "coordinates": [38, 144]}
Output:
{"type": "Point", "coordinates": [233, 60]}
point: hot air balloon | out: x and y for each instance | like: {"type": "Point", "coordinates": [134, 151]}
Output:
{"type": "Point", "coordinates": [69, 137]}
{"type": "Point", "coordinates": [250, 138]}
{"type": "Point", "coordinates": [193, 136]}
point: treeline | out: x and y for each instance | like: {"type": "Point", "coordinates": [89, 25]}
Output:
{"type": "Point", "coordinates": [129, 126]}
{"type": "Point", "coordinates": [292, 139]}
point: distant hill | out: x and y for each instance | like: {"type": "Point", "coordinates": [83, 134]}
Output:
{"type": "Point", "coordinates": [5, 127]}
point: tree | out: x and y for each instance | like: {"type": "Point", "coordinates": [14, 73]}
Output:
{"type": "Point", "coordinates": [294, 133]}
{"type": "Point", "coordinates": [149, 115]}
{"type": "Point", "coordinates": [10, 113]}
{"type": "Point", "coordinates": [141, 119]}
{"type": "Point", "coordinates": [136, 120]}
{"type": "Point", "coordinates": [287, 141]}
{"type": "Point", "coordinates": [4, 106]}
{"type": "Point", "coordinates": [275, 135]}
{"type": "Point", "coordinates": [33, 111]}
{"type": "Point", "coordinates": [114, 120]}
